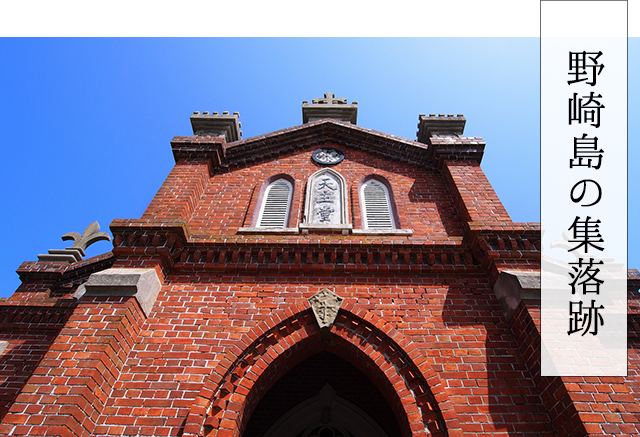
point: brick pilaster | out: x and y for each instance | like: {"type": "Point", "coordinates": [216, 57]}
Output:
{"type": "Point", "coordinates": [180, 192]}
{"type": "Point", "coordinates": [69, 389]}
{"type": "Point", "coordinates": [577, 406]}
{"type": "Point", "coordinates": [473, 194]}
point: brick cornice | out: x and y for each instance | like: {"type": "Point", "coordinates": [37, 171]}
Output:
{"type": "Point", "coordinates": [199, 147]}
{"type": "Point", "coordinates": [453, 148]}
{"type": "Point", "coordinates": [493, 242]}
{"type": "Point", "coordinates": [226, 156]}
{"type": "Point", "coordinates": [36, 314]}
{"type": "Point", "coordinates": [59, 273]}
{"type": "Point", "coordinates": [171, 243]}
{"type": "Point", "coordinates": [633, 279]}
{"type": "Point", "coordinates": [484, 246]}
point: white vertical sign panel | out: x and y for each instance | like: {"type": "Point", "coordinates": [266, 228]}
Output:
{"type": "Point", "coordinates": [584, 187]}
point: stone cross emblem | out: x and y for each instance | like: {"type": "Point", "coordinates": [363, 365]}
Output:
{"type": "Point", "coordinates": [330, 99]}
{"type": "Point", "coordinates": [325, 305]}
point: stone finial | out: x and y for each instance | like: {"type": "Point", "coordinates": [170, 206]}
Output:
{"type": "Point", "coordinates": [90, 235]}
{"type": "Point", "coordinates": [449, 125]}
{"type": "Point", "coordinates": [329, 107]}
{"type": "Point", "coordinates": [75, 253]}
{"type": "Point", "coordinates": [330, 99]}
{"type": "Point", "coordinates": [214, 124]}
{"type": "Point", "coordinates": [325, 305]}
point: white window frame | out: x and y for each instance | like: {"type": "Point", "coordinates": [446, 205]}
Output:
{"type": "Point", "coordinates": [389, 206]}
{"type": "Point", "coordinates": [265, 199]}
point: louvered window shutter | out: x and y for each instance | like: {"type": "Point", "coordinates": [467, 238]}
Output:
{"type": "Point", "coordinates": [377, 207]}
{"type": "Point", "coordinates": [275, 208]}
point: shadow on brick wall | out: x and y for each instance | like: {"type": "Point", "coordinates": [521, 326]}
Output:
{"type": "Point", "coordinates": [486, 374]}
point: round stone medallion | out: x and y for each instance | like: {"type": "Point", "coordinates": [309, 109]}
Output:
{"type": "Point", "coordinates": [327, 156]}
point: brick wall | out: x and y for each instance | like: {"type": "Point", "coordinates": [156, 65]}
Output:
{"type": "Point", "coordinates": [421, 343]}
{"type": "Point", "coordinates": [457, 329]}
{"type": "Point", "coordinates": [181, 191]}
{"type": "Point", "coordinates": [579, 406]}
{"type": "Point", "coordinates": [67, 391]}
{"type": "Point", "coordinates": [228, 201]}
{"type": "Point", "coordinates": [20, 359]}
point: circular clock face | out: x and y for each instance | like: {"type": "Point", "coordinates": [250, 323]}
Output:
{"type": "Point", "coordinates": [327, 156]}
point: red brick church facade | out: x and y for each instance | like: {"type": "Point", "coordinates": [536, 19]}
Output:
{"type": "Point", "coordinates": [321, 280]}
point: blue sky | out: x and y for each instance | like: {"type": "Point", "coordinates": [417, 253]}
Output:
{"type": "Point", "coordinates": [86, 123]}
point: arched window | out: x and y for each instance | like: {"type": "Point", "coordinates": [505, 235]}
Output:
{"type": "Point", "coordinates": [276, 205]}
{"type": "Point", "coordinates": [377, 205]}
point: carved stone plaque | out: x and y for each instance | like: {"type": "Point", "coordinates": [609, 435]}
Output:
{"type": "Point", "coordinates": [325, 305]}
{"type": "Point", "coordinates": [328, 156]}
{"type": "Point", "coordinates": [326, 200]}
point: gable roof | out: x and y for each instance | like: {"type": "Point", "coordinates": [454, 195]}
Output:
{"type": "Point", "coordinates": [237, 154]}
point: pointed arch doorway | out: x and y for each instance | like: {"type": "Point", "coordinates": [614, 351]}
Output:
{"type": "Point", "coordinates": [326, 415]}
{"type": "Point", "coordinates": [323, 396]}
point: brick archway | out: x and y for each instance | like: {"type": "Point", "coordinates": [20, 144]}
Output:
{"type": "Point", "coordinates": [236, 385]}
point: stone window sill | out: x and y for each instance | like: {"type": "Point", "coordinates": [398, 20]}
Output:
{"type": "Point", "coordinates": [344, 229]}
{"type": "Point", "coordinates": [306, 229]}
{"type": "Point", "coordinates": [382, 232]}
{"type": "Point", "coordinates": [268, 230]}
